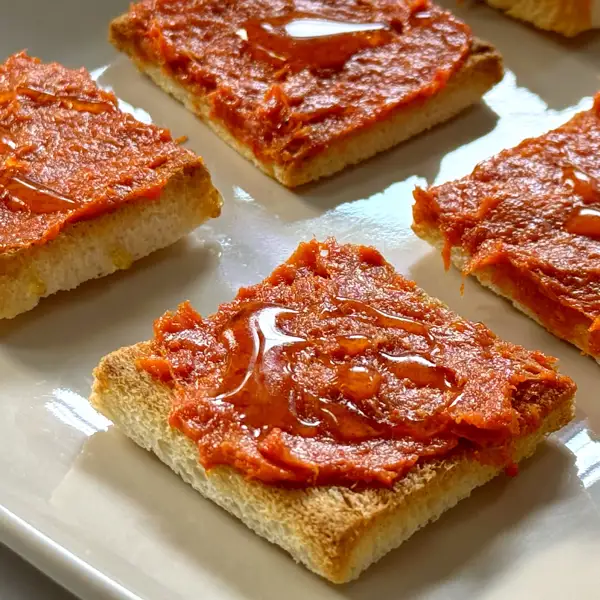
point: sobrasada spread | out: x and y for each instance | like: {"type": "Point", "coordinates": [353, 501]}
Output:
{"type": "Point", "coordinates": [68, 153]}
{"type": "Point", "coordinates": [533, 213]}
{"type": "Point", "coordinates": [289, 77]}
{"type": "Point", "coordinates": [336, 370]}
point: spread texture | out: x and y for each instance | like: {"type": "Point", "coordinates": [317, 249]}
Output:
{"type": "Point", "coordinates": [532, 214]}
{"type": "Point", "coordinates": [336, 370]}
{"type": "Point", "coordinates": [289, 77]}
{"type": "Point", "coordinates": [68, 153]}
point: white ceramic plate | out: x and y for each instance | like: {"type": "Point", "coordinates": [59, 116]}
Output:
{"type": "Point", "coordinates": [107, 520]}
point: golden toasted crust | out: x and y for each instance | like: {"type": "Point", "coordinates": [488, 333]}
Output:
{"type": "Point", "coordinates": [335, 531]}
{"type": "Point", "coordinates": [579, 335]}
{"type": "Point", "coordinates": [481, 71]}
{"type": "Point", "coordinates": [100, 246]}
{"type": "Point", "coordinates": [568, 17]}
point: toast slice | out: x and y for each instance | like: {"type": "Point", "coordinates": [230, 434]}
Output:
{"type": "Point", "coordinates": [526, 224]}
{"type": "Point", "coordinates": [567, 17]}
{"type": "Point", "coordinates": [337, 531]}
{"type": "Point", "coordinates": [85, 189]}
{"type": "Point", "coordinates": [304, 144]}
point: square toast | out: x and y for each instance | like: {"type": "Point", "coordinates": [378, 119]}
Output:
{"type": "Point", "coordinates": [526, 224]}
{"type": "Point", "coordinates": [85, 189]}
{"type": "Point", "coordinates": [334, 408]}
{"type": "Point", "coordinates": [305, 89]}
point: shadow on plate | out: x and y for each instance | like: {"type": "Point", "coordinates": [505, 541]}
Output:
{"type": "Point", "coordinates": [200, 540]}
{"type": "Point", "coordinates": [463, 544]}
{"type": "Point", "coordinates": [470, 544]}
{"type": "Point", "coordinates": [105, 309]}
{"type": "Point", "coordinates": [420, 156]}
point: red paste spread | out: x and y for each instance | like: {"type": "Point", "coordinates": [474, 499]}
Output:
{"type": "Point", "coordinates": [288, 77]}
{"type": "Point", "coordinates": [67, 153]}
{"type": "Point", "coordinates": [336, 370]}
{"type": "Point", "coordinates": [533, 212]}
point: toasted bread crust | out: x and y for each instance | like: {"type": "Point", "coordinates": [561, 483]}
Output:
{"type": "Point", "coordinates": [336, 532]}
{"type": "Point", "coordinates": [580, 334]}
{"type": "Point", "coordinates": [481, 71]}
{"type": "Point", "coordinates": [97, 247]}
{"type": "Point", "coordinates": [567, 17]}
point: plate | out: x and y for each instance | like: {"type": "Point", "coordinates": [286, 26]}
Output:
{"type": "Point", "coordinates": [106, 519]}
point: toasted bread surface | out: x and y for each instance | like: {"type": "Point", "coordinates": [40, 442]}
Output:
{"type": "Point", "coordinates": [86, 188]}
{"type": "Point", "coordinates": [334, 531]}
{"type": "Point", "coordinates": [97, 247]}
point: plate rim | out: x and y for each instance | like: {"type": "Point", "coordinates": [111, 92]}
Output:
{"type": "Point", "coordinates": [57, 562]}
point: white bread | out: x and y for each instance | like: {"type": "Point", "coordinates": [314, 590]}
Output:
{"type": "Point", "coordinates": [579, 335]}
{"type": "Point", "coordinates": [335, 531]}
{"type": "Point", "coordinates": [480, 72]}
{"type": "Point", "coordinates": [100, 246]}
{"type": "Point", "coordinates": [567, 17]}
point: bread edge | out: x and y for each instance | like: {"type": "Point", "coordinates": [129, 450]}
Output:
{"type": "Point", "coordinates": [460, 259]}
{"type": "Point", "coordinates": [100, 246]}
{"type": "Point", "coordinates": [482, 70]}
{"type": "Point", "coordinates": [335, 532]}
{"type": "Point", "coordinates": [567, 17]}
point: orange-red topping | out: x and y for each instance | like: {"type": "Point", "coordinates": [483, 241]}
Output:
{"type": "Point", "coordinates": [336, 370]}
{"type": "Point", "coordinates": [533, 212]}
{"type": "Point", "coordinates": [289, 77]}
{"type": "Point", "coordinates": [68, 153]}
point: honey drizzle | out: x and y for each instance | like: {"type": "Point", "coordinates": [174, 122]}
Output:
{"type": "Point", "coordinates": [582, 184]}
{"type": "Point", "coordinates": [257, 347]}
{"type": "Point", "coordinates": [299, 41]}
{"type": "Point", "coordinates": [585, 220]}
{"type": "Point", "coordinates": [7, 144]}
{"type": "Point", "coordinates": [22, 193]}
